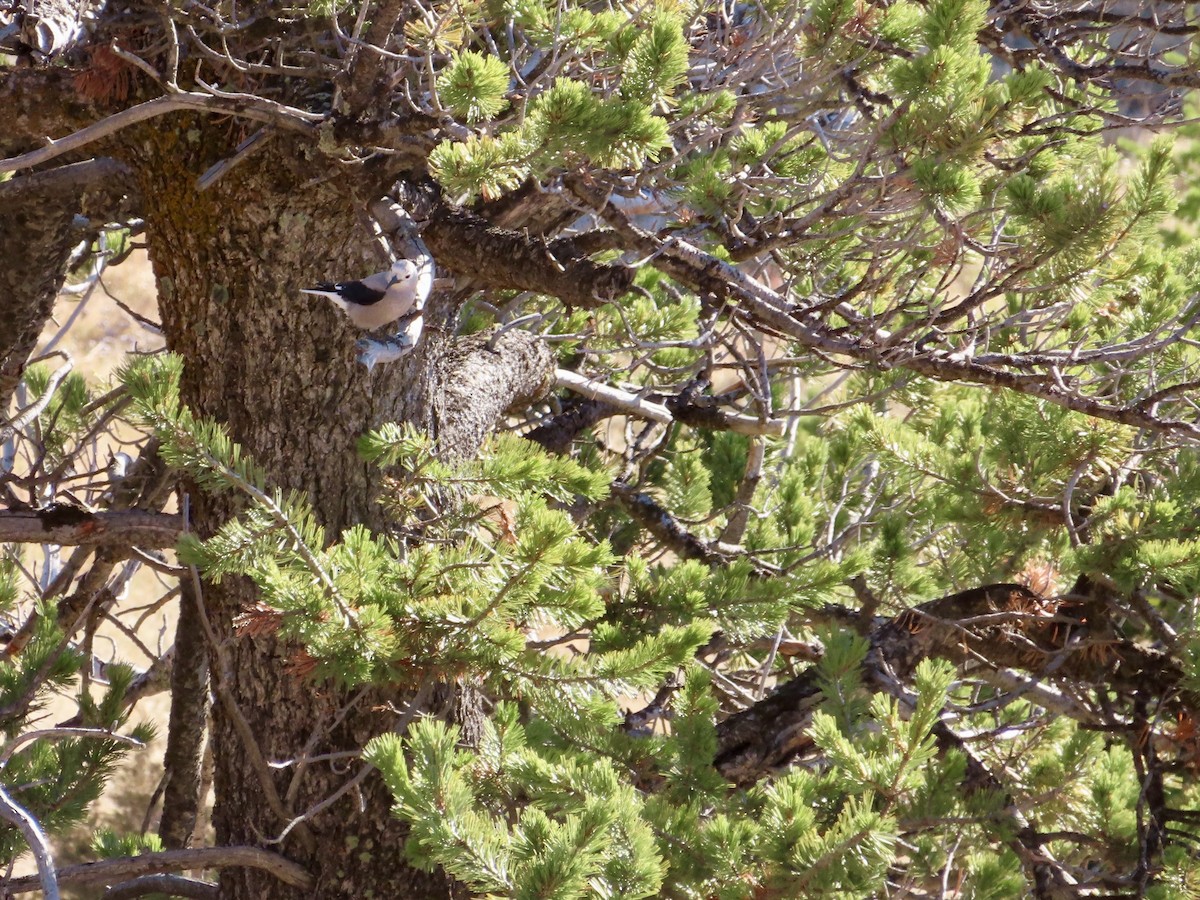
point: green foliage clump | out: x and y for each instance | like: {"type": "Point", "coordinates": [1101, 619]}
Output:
{"type": "Point", "coordinates": [474, 85]}
{"type": "Point", "coordinates": [583, 831]}
{"type": "Point", "coordinates": [55, 777]}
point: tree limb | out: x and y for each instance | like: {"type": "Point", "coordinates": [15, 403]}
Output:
{"type": "Point", "coordinates": [47, 879]}
{"type": "Point", "coordinates": [184, 754]}
{"type": "Point", "coordinates": [508, 260]}
{"type": "Point", "coordinates": [40, 227]}
{"type": "Point", "coordinates": [774, 313]}
{"type": "Point", "coordinates": [482, 377]}
{"type": "Point", "coordinates": [246, 107]}
{"type": "Point", "coordinates": [67, 525]}
{"type": "Point", "coordinates": [578, 414]}
{"type": "Point", "coordinates": [105, 871]}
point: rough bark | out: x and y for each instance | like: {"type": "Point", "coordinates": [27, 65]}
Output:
{"type": "Point", "coordinates": [40, 104]}
{"type": "Point", "coordinates": [514, 261]}
{"type": "Point", "coordinates": [483, 377]}
{"type": "Point", "coordinates": [38, 225]}
{"type": "Point", "coordinates": [73, 526]}
{"type": "Point", "coordinates": [43, 217]}
{"type": "Point", "coordinates": [578, 414]}
{"type": "Point", "coordinates": [279, 369]}
{"type": "Point", "coordinates": [184, 755]}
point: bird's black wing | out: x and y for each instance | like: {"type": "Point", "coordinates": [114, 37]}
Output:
{"type": "Point", "coordinates": [358, 293]}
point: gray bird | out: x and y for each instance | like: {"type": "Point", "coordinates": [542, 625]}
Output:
{"type": "Point", "coordinates": [378, 299]}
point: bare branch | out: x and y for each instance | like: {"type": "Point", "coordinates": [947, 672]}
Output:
{"type": "Point", "coordinates": [247, 107]}
{"type": "Point", "coordinates": [35, 409]}
{"type": "Point", "coordinates": [41, 733]}
{"type": "Point", "coordinates": [47, 878]}
{"type": "Point", "coordinates": [68, 525]}
{"type": "Point", "coordinates": [105, 871]}
{"type": "Point", "coordinates": [622, 400]}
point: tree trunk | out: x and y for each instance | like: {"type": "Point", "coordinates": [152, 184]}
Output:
{"type": "Point", "coordinates": [279, 369]}
{"type": "Point", "coordinates": [43, 217]}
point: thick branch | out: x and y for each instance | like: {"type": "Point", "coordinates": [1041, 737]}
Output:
{"type": "Point", "coordinates": [366, 76]}
{"type": "Point", "coordinates": [71, 526]}
{"type": "Point", "coordinates": [533, 210]}
{"type": "Point", "coordinates": [508, 260]}
{"type": "Point", "coordinates": [1013, 638]}
{"type": "Point", "coordinates": [245, 106]}
{"type": "Point", "coordinates": [144, 485]}
{"type": "Point", "coordinates": [183, 757]}
{"type": "Point", "coordinates": [667, 530]}
{"type": "Point", "coordinates": [578, 414]}
{"type": "Point", "coordinates": [106, 871]}
{"type": "Point", "coordinates": [39, 228]}
{"type": "Point", "coordinates": [774, 313]}
{"type": "Point", "coordinates": [1000, 627]}
{"type": "Point", "coordinates": [481, 381]}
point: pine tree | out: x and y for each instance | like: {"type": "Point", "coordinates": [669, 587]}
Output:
{"type": "Point", "coordinates": [791, 493]}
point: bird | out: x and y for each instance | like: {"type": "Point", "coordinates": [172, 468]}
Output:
{"type": "Point", "coordinates": [378, 299]}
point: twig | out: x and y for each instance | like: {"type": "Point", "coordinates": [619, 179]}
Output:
{"type": "Point", "coordinates": [9, 749]}
{"type": "Point", "coordinates": [80, 306]}
{"type": "Point", "coordinates": [514, 323]}
{"type": "Point", "coordinates": [735, 528]}
{"type": "Point", "coordinates": [31, 412]}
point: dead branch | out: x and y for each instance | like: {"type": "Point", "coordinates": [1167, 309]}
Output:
{"type": "Point", "coordinates": [105, 871]}
{"type": "Point", "coordinates": [257, 109]}
{"type": "Point", "coordinates": [68, 525]}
